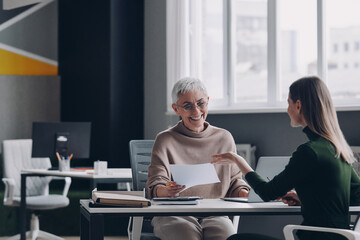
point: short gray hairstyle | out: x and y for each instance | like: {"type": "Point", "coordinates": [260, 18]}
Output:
{"type": "Point", "coordinates": [186, 85]}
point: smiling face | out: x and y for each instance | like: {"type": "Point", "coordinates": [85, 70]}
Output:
{"type": "Point", "coordinates": [192, 108]}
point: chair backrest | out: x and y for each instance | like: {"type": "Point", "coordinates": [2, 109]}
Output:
{"type": "Point", "coordinates": [17, 156]}
{"type": "Point", "coordinates": [140, 156]}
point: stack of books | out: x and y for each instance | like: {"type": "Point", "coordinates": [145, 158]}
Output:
{"type": "Point", "coordinates": [119, 199]}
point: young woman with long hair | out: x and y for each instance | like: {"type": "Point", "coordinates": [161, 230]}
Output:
{"type": "Point", "coordinates": [319, 170]}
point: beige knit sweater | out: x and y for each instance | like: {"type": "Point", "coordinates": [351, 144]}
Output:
{"type": "Point", "coordinates": [179, 145]}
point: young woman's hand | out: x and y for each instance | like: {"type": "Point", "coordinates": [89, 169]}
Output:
{"type": "Point", "coordinates": [170, 190]}
{"type": "Point", "coordinates": [231, 157]}
{"type": "Point", "coordinates": [291, 198]}
{"type": "Point", "coordinates": [225, 158]}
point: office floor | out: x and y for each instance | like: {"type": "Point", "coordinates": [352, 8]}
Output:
{"type": "Point", "coordinates": [78, 238]}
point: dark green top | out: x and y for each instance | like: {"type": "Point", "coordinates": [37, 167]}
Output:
{"type": "Point", "coordinates": [325, 184]}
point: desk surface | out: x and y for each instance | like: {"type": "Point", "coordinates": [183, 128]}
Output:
{"type": "Point", "coordinates": [206, 206]}
{"type": "Point", "coordinates": [112, 173]}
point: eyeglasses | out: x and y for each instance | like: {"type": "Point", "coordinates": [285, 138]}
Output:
{"type": "Point", "coordinates": [190, 107]}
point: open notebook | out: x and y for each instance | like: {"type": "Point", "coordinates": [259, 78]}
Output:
{"type": "Point", "coordinates": [267, 168]}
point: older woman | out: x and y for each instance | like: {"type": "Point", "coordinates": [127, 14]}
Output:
{"type": "Point", "coordinates": [192, 141]}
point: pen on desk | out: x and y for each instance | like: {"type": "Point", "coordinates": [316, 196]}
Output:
{"type": "Point", "coordinates": [58, 156]}
{"type": "Point", "coordinates": [268, 178]}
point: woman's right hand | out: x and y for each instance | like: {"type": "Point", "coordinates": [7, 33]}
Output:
{"type": "Point", "coordinates": [170, 190]}
{"type": "Point", "coordinates": [231, 157]}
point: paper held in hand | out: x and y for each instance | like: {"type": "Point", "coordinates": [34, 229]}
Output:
{"type": "Point", "coordinates": [194, 174]}
{"type": "Point", "coordinates": [121, 198]}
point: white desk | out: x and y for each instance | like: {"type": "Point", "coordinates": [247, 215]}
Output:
{"type": "Point", "coordinates": [92, 219]}
{"type": "Point", "coordinates": [114, 175]}
{"type": "Point", "coordinates": [123, 174]}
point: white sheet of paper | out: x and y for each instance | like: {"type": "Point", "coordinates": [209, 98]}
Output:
{"type": "Point", "coordinates": [194, 174]}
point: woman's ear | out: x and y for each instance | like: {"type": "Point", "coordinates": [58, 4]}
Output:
{"type": "Point", "coordinates": [299, 110]}
{"type": "Point", "coordinates": [176, 110]}
{"type": "Point", "coordinates": [298, 106]}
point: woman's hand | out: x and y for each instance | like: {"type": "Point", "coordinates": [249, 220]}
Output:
{"type": "Point", "coordinates": [225, 158]}
{"type": "Point", "coordinates": [291, 198]}
{"type": "Point", "coordinates": [243, 193]}
{"type": "Point", "coordinates": [231, 157]}
{"type": "Point", "coordinates": [170, 190]}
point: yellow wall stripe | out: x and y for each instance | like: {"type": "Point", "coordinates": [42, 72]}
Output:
{"type": "Point", "coordinates": [15, 64]}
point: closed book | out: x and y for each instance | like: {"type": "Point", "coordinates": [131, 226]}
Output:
{"type": "Point", "coordinates": [121, 198]}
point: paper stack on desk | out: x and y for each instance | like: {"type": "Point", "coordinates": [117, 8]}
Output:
{"type": "Point", "coordinates": [121, 198]}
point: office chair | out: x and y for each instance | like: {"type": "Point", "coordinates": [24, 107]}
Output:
{"type": "Point", "coordinates": [17, 156]}
{"type": "Point", "coordinates": [140, 158]}
{"type": "Point", "coordinates": [349, 234]}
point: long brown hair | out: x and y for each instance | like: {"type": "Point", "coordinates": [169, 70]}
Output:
{"type": "Point", "coordinates": [319, 113]}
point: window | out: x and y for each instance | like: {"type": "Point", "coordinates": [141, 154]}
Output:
{"type": "Point", "coordinates": [335, 48]}
{"type": "Point", "coordinates": [298, 49]}
{"type": "Point", "coordinates": [343, 26]}
{"type": "Point", "coordinates": [212, 64]}
{"type": "Point", "coordinates": [357, 46]}
{"type": "Point", "coordinates": [248, 52]}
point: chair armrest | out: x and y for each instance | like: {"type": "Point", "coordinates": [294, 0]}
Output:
{"type": "Point", "coordinates": [349, 234]}
{"type": "Point", "coordinates": [135, 227]}
{"type": "Point", "coordinates": [9, 191]}
{"type": "Point", "coordinates": [66, 186]}
{"type": "Point", "coordinates": [235, 220]}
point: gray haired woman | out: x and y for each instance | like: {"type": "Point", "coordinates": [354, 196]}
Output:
{"type": "Point", "coordinates": [192, 141]}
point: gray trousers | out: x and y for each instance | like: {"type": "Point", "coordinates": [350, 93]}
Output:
{"type": "Point", "coordinates": [192, 228]}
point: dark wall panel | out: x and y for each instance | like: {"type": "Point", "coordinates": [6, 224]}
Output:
{"type": "Point", "coordinates": [99, 81]}
{"type": "Point", "coordinates": [127, 74]}
{"type": "Point", "coordinates": [84, 63]}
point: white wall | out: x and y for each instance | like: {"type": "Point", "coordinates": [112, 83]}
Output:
{"type": "Point", "coordinates": [24, 99]}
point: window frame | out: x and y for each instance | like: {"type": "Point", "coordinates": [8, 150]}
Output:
{"type": "Point", "coordinates": [228, 105]}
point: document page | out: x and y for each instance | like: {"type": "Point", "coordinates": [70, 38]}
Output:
{"type": "Point", "coordinates": [194, 174]}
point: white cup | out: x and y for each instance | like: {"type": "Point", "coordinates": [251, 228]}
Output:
{"type": "Point", "coordinates": [100, 167]}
